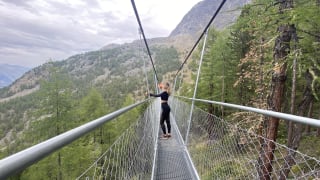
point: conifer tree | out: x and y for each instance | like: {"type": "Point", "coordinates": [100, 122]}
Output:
{"type": "Point", "coordinates": [279, 76]}
{"type": "Point", "coordinates": [56, 94]}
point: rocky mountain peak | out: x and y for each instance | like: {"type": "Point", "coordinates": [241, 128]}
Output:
{"type": "Point", "coordinates": [199, 16]}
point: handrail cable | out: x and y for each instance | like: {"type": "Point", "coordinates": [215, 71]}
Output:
{"type": "Point", "coordinates": [144, 62]}
{"type": "Point", "coordinates": [202, 34]}
{"type": "Point", "coordinates": [155, 151]}
{"type": "Point", "coordinates": [144, 37]}
{"type": "Point", "coordinates": [188, 156]}
{"type": "Point", "coordinates": [27, 157]}
{"type": "Point", "coordinates": [288, 117]}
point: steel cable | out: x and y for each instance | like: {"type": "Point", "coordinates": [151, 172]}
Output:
{"type": "Point", "coordinates": [144, 37]}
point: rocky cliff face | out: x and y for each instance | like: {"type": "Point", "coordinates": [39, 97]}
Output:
{"type": "Point", "coordinates": [199, 16]}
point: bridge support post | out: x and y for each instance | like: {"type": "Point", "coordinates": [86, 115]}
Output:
{"type": "Point", "coordinates": [174, 93]}
{"type": "Point", "coordinates": [196, 86]}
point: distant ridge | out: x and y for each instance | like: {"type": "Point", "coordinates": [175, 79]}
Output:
{"type": "Point", "coordinates": [9, 73]}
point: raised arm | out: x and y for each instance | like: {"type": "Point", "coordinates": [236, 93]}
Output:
{"type": "Point", "coordinates": [155, 95]}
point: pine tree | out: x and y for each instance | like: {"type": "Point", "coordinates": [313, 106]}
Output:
{"type": "Point", "coordinates": [92, 107]}
{"type": "Point", "coordinates": [56, 94]}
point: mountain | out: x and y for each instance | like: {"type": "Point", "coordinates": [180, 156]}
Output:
{"type": "Point", "coordinates": [199, 16]}
{"type": "Point", "coordinates": [181, 38]}
{"type": "Point", "coordinates": [9, 73]}
{"type": "Point", "coordinates": [116, 70]}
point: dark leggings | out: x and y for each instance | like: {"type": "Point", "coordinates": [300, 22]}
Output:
{"type": "Point", "coordinates": [165, 116]}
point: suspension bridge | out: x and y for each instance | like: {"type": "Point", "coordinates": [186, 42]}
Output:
{"type": "Point", "coordinates": [202, 146]}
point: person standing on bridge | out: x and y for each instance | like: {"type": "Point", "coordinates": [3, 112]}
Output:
{"type": "Point", "coordinates": [165, 115]}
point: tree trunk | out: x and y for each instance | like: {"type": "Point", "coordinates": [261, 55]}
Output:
{"type": "Point", "coordinates": [285, 4]}
{"type": "Point", "coordinates": [59, 167]}
{"type": "Point", "coordinates": [210, 106]}
{"type": "Point", "coordinates": [241, 89]}
{"type": "Point", "coordinates": [281, 50]}
{"type": "Point", "coordinates": [297, 128]}
{"type": "Point", "coordinates": [222, 95]}
{"type": "Point", "coordinates": [261, 91]}
{"type": "Point", "coordinates": [308, 127]}
{"type": "Point", "coordinates": [263, 118]}
{"type": "Point", "coordinates": [101, 135]}
{"type": "Point", "coordinates": [293, 92]}
{"type": "Point", "coordinates": [210, 120]}
{"type": "Point", "coordinates": [261, 86]}
{"type": "Point", "coordinates": [274, 103]}
{"type": "Point", "coordinates": [318, 40]}
{"type": "Point", "coordinates": [58, 131]}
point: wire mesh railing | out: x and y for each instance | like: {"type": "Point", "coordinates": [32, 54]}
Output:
{"type": "Point", "coordinates": [23, 159]}
{"type": "Point", "coordinates": [220, 150]}
{"type": "Point", "coordinates": [132, 154]}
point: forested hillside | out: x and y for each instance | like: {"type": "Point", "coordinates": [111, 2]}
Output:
{"type": "Point", "coordinates": [268, 59]}
{"type": "Point", "coordinates": [59, 96]}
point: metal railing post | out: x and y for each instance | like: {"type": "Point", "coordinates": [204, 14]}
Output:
{"type": "Point", "coordinates": [196, 86]}
{"type": "Point", "coordinates": [174, 85]}
{"type": "Point", "coordinates": [174, 92]}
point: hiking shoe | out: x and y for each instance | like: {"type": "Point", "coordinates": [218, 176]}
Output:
{"type": "Point", "coordinates": [164, 136]}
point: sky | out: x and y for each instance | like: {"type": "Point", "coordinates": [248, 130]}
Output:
{"type": "Point", "coordinates": [35, 31]}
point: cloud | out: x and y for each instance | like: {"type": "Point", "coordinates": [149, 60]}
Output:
{"type": "Point", "coordinates": [33, 31]}
{"type": "Point", "coordinates": [19, 3]}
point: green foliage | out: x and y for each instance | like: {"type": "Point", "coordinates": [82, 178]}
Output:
{"type": "Point", "coordinates": [240, 59]}
{"type": "Point", "coordinates": [238, 62]}
{"type": "Point", "coordinates": [92, 106]}
{"type": "Point", "coordinates": [219, 166]}
{"type": "Point", "coordinates": [72, 93]}
{"type": "Point", "coordinates": [13, 122]}
{"type": "Point", "coordinates": [166, 60]}
{"type": "Point", "coordinates": [219, 66]}
{"type": "Point", "coordinates": [237, 68]}
{"type": "Point", "coordinates": [89, 147]}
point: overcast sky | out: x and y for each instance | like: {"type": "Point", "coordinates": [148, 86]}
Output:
{"type": "Point", "coordinates": [34, 31]}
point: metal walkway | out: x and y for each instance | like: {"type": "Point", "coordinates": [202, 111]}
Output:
{"type": "Point", "coordinates": [172, 159]}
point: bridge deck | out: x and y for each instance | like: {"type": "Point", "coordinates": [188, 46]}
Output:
{"type": "Point", "coordinates": [172, 162]}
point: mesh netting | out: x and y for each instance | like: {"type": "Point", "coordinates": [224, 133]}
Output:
{"type": "Point", "coordinates": [132, 154]}
{"type": "Point", "coordinates": [220, 150]}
